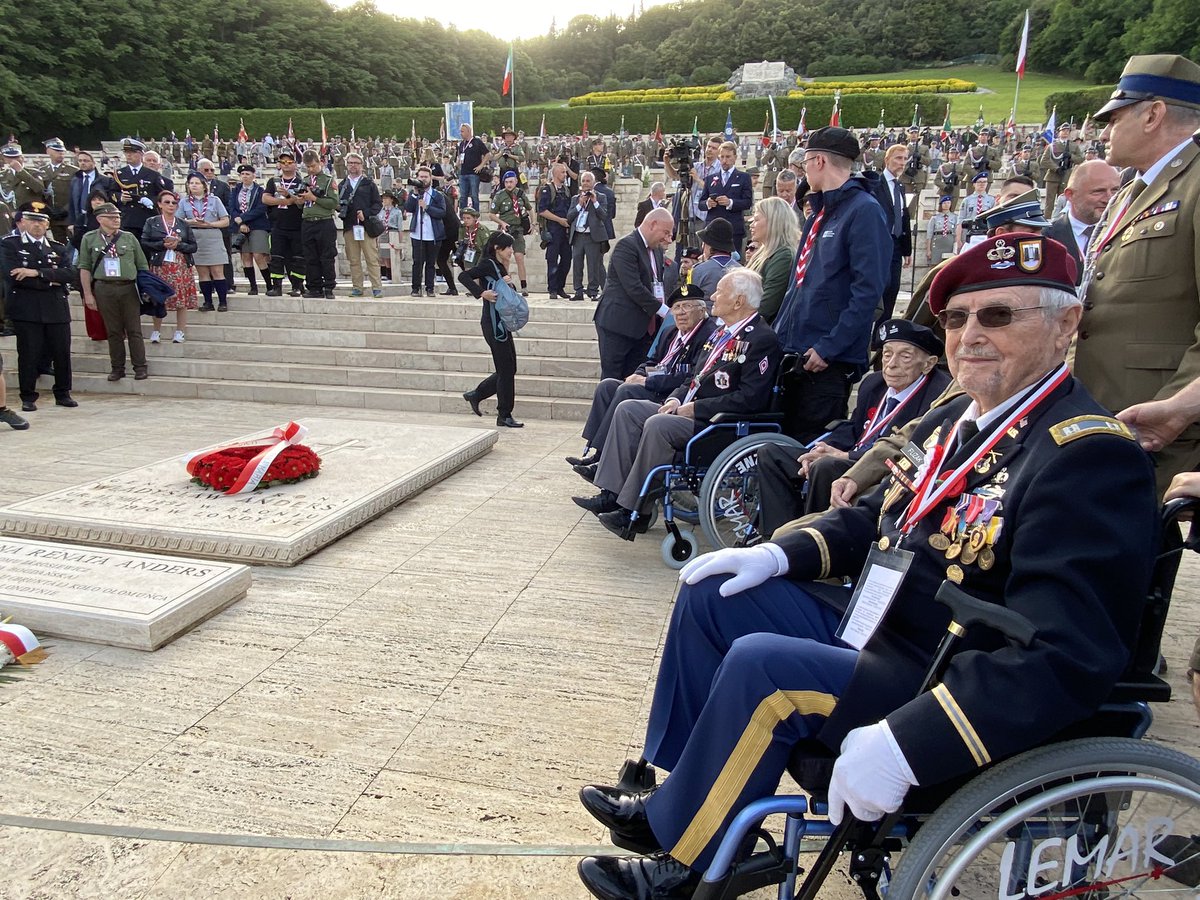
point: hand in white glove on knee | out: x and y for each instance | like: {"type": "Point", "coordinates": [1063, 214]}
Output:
{"type": "Point", "coordinates": [749, 566]}
{"type": "Point", "coordinates": [871, 776]}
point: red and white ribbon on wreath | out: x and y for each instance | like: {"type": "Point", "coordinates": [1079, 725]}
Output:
{"type": "Point", "coordinates": [252, 473]}
{"type": "Point", "coordinates": [17, 639]}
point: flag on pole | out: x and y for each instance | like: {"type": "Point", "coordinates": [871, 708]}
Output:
{"type": "Point", "coordinates": [695, 126]}
{"type": "Point", "coordinates": [802, 129]}
{"type": "Point", "coordinates": [881, 125]}
{"type": "Point", "coordinates": [442, 129]}
{"type": "Point", "coordinates": [324, 136]}
{"type": "Point", "coordinates": [774, 118]}
{"type": "Point", "coordinates": [835, 118]}
{"type": "Point", "coordinates": [946, 124]}
{"type": "Point", "coordinates": [622, 126]}
{"type": "Point", "coordinates": [916, 123]}
{"type": "Point", "coordinates": [658, 128]}
{"type": "Point", "coordinates": [728, 124]}
{"type": "Point", "coordinates": [242, 136]}
{"type": "Point", "coordinates": [766, 134]}
{"type": "Point", "coordinates": [585, 131]}
{"type": "Point", "coordinates": [352, 137]}
{"type": "Point", "coordinates": [1024, 49]}
{"type": "Point", "coordinates": [979, 122]}
{"type": "Point", "coordinates": [216, 134]}
{"type": "Point", "coordinates": [414, 134]}
{"type": "Point", "coordinates": [1051, 127]}
{"type": "Point", "coordinates": [541, 131]}
{"type": "Point", "coordinates": [508, 73]}
{"type": "Point", "coordinates": [1085, 128]}
{"type": "Point", "coordinates": [291, 135]}
{"type": "Point", "coordinates": [1011, 128]}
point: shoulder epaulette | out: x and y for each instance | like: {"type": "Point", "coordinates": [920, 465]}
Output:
{"type": "Point", "coordinates": [1082, 426]}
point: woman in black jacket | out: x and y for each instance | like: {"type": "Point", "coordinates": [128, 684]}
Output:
{"type": "Point", "coordinates": [169, 244]}
{"type": "Point", "coordinates": [497, 254]}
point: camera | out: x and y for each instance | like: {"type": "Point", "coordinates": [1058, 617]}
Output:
{"type": "Point", "coordinates": [413, 183]}
{"type": "Point", "coordinates": [681, 152]}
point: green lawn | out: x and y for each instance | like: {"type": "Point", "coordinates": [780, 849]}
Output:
{"type": "Point", "coordinates": [996, 106]}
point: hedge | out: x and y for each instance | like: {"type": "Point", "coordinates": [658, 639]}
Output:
{"type": "Point", "coordinates": [858, 111]}
{"type": "Point", "coordinates": [890, 85]}
{"type": "Point", "coordinates": [1075, 105]}
{"type": "Point", "coordinates": [663, 95]}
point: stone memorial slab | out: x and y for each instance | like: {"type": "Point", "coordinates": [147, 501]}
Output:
{"type": "Point", "coordinates": [112, 596]}
{"type": "Point", "coordinates": [366, 469]}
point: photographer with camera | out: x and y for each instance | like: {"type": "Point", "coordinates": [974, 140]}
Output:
{"type": "Point", "coordinates": [359, 203]}
{"type": "Point", "coordinates": [588, 218]}
{"type": "Point", "coordinates": [510, 211]}
{"type": "Point", "coordinates": [318, 233]}
{"type": "Point", "coordinates": [690, 213]}
{"type": "Point", "coordinates": [282, 198]}
{"type": "Point", "coordinates": [427, 208]}
{"type": "Point", "coordinates": [554, 202]}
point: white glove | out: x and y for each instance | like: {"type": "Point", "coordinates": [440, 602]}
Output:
{"type": "Point", "coordinates": [871, 775]}
{"type": "Point", "coordinates": [750, 567]}
{"type": "Point", "coordinates": [146, 202]}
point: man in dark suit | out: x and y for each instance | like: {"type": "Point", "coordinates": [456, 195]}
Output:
{"type": "Point", "coordinates": [138, 188]}
{"type": "Point", "coordinates": [1089, 188]}
{"type": "Point", "coordinates": [728, 194]}
{"type": "Point", "coordinates": [735, 376]}
{"type": "Point", "coordinates": [37, 275]}
{"type": "Point", "coordinates": [657, 198]}
{"type": "Point", "coordinates": [633, 297]}
{"type": "Point", "coordinates": [889, 191]}
{"type": "Point", "coordinates": [887, 400]}
{"type": "Point", "coordinates": [588, 221]}
{"type": "Point", "coordinates": [669, 364]}
{"type": "Point", "coordinates": [83, 182]}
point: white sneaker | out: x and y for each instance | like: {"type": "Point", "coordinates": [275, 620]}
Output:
{"type": "Point", "coordinates": [154, 337]}
{"type": "Point", "coordinates": [178, 339]}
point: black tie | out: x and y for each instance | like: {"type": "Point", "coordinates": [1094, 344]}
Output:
{"type": "Point", "coordinates": [898, 208]}
{"type": "Point", "coordinates": [1087, 238]}
{"type": "Point", "coordinates": [889, 404]}
{"type": "Point", "coordinates": [966, 432]}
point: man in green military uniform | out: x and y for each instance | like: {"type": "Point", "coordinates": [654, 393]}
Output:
{"type": "Point", "coordinates": [318, 235]}
{"type": "Point", "coordinates": [56, 176]}
{"type": "Point", "coordinates": [510, 156]}
{"type": "Point", "coordinates": [872, 156]}
{"type": "Point", "coordinates": [1057, 160]}
{"type": "Point", "coordinates": [949, 176]}
{"type": "Point", "coordinates": [19, 184]}
{"type": "Point", "coordinates": [769, 162]}
{"type": "Point", "coordinates": [1024, 164]}
{"type": "Point", "coordinates": [983, 156]}
{"type": "Point", "coordinates": [109, 262]}
{"type": "Point", "coordinates": [916, 170]}
{"type": "Point", "coordinates": [1137, 340]}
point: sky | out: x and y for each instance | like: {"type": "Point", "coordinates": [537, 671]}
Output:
{"type": "Point", "coordinates": [534, 19]}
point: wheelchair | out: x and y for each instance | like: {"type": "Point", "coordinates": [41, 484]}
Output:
{"type": "Point", "coordinates": [691, 489]}
{"type": "Point", "coordinates": [1094, 813]}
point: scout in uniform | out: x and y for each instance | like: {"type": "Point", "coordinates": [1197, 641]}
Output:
{"type": "Point", "coordinates": [19, 184]}
{"type": "Point", "coordinates": [757, 665]}
{"type": "Point", "coordinates": [1140, 292]}
{"type": "Point", "coordinates": [56, 176]}
{"type": "Point", "coordinates": [1057, 160]}
{"type": "Point", "coordinates": [109, 261]}
{"type": "Point", "coordinates": [916, 170]}
{"type": "Point", "coordinates": [38, 274]}
{"type": "Point", "coordinates": [318, 235]}
{"type": "Point", "coordinates": [940, 232]}
{"type": "Point", "coordinates": [512, 212]}
{"type": "Point", "coordinates": [510, 156]}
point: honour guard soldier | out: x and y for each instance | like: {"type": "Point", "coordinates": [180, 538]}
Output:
{"type": "Point", "coordinates": [872, 156]}
{"type": "Point", "coordinates": [138, 187]}
{"type": "Point", "coordinates": [56, 176]}
{"type": "Point", "coordinates": [1025, 164]}
{"type": "Point", "coordinates": [1057, 160]}
{"type": "Point", "coordinates": [983, 157]}
{"type": "Point", "coordinates": [916, 170]}
{"type": "Point", "coordinates": [37, 274]}
{"type": "Point", "coordinates": [598, 161]}
{"type": "Point", "coordinates": [19, 184]}
{"type": "Point", "coordinates": [949, 175]}
{"type": "Point", "coordinates": [1140, 291]}
{"type": "Point", "coordinates": [768, 160]}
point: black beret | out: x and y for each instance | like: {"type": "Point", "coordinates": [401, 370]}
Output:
{"type": "Point", "coordinates": [910, 333]}
{"type": "Point", "coordinates": [832, 139]}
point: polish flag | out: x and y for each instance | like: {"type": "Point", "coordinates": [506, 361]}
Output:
{"type": "Point", "coordinates": [1021, 54]}
{"type": "Point", "coordinates": [508, 72]}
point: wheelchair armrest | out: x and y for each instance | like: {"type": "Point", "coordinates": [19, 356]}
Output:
{"type": "Point", "coordinates": [968, 611]}
{"type": "Point", "coordinates": [1174, 509]}
{"type": "Point", "coordinates": [732, 418]}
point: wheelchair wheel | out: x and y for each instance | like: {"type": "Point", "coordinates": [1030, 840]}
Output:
{"type": "Point", "coordinates": [729, 493]}
{"type": "Point", "coordinates": [677, 553]}
{"type": "Point", "coordinates": [1093, 818]}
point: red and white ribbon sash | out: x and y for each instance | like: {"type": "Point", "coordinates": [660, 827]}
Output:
{"type": "Point", "coordinates": [252, 474]}
{"type": "Point", "coordinates": [878, 423]}
{"type": "Point", "coordinates": [932, 490]}
{"type": "Point", "coordinates": [18, 639]}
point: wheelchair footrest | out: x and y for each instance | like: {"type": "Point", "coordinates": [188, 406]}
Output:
{"type": "Point", "coordinates": [758, 871]}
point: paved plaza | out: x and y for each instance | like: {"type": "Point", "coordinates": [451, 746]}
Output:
{"type": "Point", "coordinates": [407, 713]}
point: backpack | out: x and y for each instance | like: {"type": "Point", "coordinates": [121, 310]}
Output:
{"type": "Point", "coordinates": [510, 307]}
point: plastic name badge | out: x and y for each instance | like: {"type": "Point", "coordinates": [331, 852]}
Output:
{"type": "Point", "coordinates": [873, 594]}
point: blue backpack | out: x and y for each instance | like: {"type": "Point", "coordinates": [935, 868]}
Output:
{"type": "Point", "coordinates": [510, 307]}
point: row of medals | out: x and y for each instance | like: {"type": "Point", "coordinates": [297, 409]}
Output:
{"type": "Point", "coordinates": [969, 549]}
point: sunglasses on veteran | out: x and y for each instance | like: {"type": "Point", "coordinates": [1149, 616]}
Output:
{"type": "Point", "coordinates": [988, 316]}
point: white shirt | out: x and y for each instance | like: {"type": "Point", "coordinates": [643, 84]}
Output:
{"type": "Point", "coordinates": [422, 222]}
{"type": "Point", "coordinates": [1078, 228]}
{"type": "Point", "coordinates": [1155, 170]}
{"type": "Point", "coordinates": [25, 238]}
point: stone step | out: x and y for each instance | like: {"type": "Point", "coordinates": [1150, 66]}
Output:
{"type": "Point", "coordinates": [453, 383]}
{"type": "Point", "coordinates": [294, 354]}
{"type": "Point", "coordinates": [315, 395]}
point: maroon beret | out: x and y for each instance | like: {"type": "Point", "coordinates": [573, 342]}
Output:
{"type": "Point", "coordinates": [1006, 260]}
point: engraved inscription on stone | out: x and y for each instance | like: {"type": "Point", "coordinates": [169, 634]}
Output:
{"type": "Point", "coordinates": [111, 596]}
{"type": "Point", "coordinates": [367, 468]}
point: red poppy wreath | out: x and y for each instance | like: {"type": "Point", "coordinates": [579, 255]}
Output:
{"type": "Point", "coordinates": [242, 468]}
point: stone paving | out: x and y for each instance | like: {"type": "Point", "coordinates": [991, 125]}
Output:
{"type": "Point", "coordinates": [437, 684]}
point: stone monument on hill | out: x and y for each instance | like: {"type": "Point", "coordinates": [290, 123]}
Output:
{"type": "Point", "coordinates": [762, 79]}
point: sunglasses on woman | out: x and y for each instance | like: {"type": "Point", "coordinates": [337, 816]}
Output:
{"type": "Point", "coordinates": [989, 316]}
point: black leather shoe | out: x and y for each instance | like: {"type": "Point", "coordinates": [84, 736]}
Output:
{"type": "Point", "coordinates": [657, 877]}
{"type": "Point", "coordinates": [583, 460]}
{"type": "Point", "coordinates": [576, 297]}
{"type": "Point", "coordinates": [116, 374]}
{"type": "Point", "coordinates": [508, 422]}
{"type": "Point", "coordinates": [625, 815]}
{"type": "Point", "coordinates": [28, 406]}
{"type": "Point", "coordinates": [603, 502]}
{"type": "Point", "coordinates": [618, 523]}
{"type": "Point", "coordinates": [66, 400]}
{"type": "Point", "coordinates": [275, 292]}
{"type": "Point", "coordinates": [470, 397]}
{"type": "Point", "coordinates": [329, 294]}
{"type": "Point", "coordinates": [295, 292]}
{"type": "Point", "coordinates": [208, 307]}
{"type": "Point", "coordinates": [314, 295]}
{"type": "Point", "coordinates": [222, 307]}
{"type": "Point", "coordinates": [449, 293]}
{"type": "Point", "coordinates": [587, 473]}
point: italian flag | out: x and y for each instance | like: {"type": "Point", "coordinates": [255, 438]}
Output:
{"type": "Point", "coordinates": [835, 118]}
{"type": "Point", "coordinates": [946, 124]}
{"type": "Point", "coordinates": [507, 74]}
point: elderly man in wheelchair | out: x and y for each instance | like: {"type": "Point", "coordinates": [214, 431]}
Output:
{"type": "Point", "coordinates": [734, 375]}
{"type": "Point", "coordinates": [1024, 494]}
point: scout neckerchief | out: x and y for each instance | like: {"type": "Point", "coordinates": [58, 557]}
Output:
{"type": "Point", "coordinates": [879, 421]}
{"type": "Point", "coordinates": [110, 246]}
{"type": "Point", "coordinates": [244, 199]}
{"type": "Point", "coordinates": [806, 250]}
{"type": "Point", "coordinates": [720, 342]}
{"type": "Point", "coordinates": [933, 488]}
{"type": "Point", "coordinates": [199, 214]}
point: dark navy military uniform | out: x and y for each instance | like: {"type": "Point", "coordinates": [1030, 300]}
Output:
{"type": "Point", "coordinates": [1070, 531]}
{"type": "Point", "coordinates": [143, 183]}
{"type": "Point", "coordinates": [39, 310]}
{"type": "Point", "coordinates": [558, 250]}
